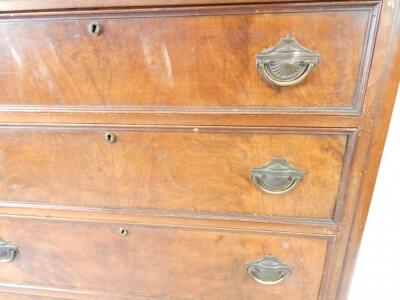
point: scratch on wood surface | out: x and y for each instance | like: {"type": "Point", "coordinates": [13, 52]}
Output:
{"type": "Point", "coordinates": [167, 63]}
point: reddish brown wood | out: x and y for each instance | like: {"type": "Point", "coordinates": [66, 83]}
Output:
{"type": "Point", "coordinates": [379, 100]}
{"type": "Point", "coordinates": [16, 296]}
{"type": "Point", "coordinates": [88, 117]}
{"type": "Point", "coordinates": [195, 171]}
{"type": "Point", "coordinates": [29, 5]}
{"type": "Point", "coordinates": [158, 262]}
{"type": "Point", "coordinates": [323, 111]}
{"type": "Point", "coordinates": [387, 92]}
{"type": "Point", "coordinates": [136, 61]}
{"type": "Point", "coordinates": [151, 217]}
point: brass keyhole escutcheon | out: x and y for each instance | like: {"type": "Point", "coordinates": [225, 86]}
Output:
{"type": "Point", "coordinates": [123, 231]}
{"type": "Point", "coordinates": [110, 137]}
{"type": "Point", "coordinates": [95, 28]}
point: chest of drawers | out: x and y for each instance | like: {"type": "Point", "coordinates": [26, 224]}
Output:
{"type": "Point", "coordinates": [194, 149]}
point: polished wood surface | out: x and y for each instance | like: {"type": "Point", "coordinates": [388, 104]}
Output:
{"type": "Point", "coordinates": [136, 61]}
{"type": "Point", "coordinates": [188, 170]}
{"type": "Point", "coordinates": [379, 115]}
{"type": "Point", "coordinates": [32, 5]}
{"type": "Point", "coordinates": [350, 130]}
{"type": "Point", "coordinates": [15, 296]}
{"type": "Point", "coordinates": [163, 263]}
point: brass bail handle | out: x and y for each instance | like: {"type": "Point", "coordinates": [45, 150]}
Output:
{"type": "Point", "coordinates": [276, 177]}
{"type": "Point", "coordinates": [286, 64]}
{"type": "Point", "coordinates": [268, 270]}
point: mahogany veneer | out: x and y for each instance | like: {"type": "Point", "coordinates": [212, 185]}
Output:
{"type": "Point", "coordinates": [136, 137]}
{"type": "Point", "coordinates": [159, 263]}
{"type": "Point", "coordinates": [136, 60]}
{"type": "Point", "coordinates": [202, 171]}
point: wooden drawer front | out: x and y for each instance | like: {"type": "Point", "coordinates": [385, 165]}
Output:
{"type": "Point", "coordinates": [202, 59]}
{"type": "Point", "coordinates": [165, 263]}
{"type": "Point", "coordinates": [182, 170]}
{"type": "Point", "coordinates": [17, 296]}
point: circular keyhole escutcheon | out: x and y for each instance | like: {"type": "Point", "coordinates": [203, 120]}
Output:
{"type": "Point", "coordinates": [110, 137]}
{"type": "Point", "coordinates": [95, 28]}
{"type": "Point", "coordinates": [123, 231]}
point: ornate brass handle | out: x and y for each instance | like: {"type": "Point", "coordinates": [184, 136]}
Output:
{"type": "Point", "coordinates": [286, 64]}
{"type": "Point", "coordinates": [277, 177]}
{"type": "Point", "coordinates": [268, 270]}
{"type": "Point", "coordinates": [7, 251]}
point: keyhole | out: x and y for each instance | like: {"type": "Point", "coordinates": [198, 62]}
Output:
{"type": "Point", "coordinates": [95, 28]}
{"type": "Point", "coordinates": [123, 231]}
{"type": "Point", "coordinates": [110, 137]}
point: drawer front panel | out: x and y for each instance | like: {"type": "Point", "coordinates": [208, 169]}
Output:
{"type": "Point", "coordinates": [136, 61]}
{"type": "Point", "coordinates": [186, 170]}
{"type": "Point", "coordinates": [163, 263]}
{"type": "Point", "coordinates": [15, 296]}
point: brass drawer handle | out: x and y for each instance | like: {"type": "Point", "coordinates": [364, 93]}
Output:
{"type": "Point", "coordinates": [7, 251]}
{"type": "Point", "coordinates": [286, 64]}
{"type": "Point", "coordinates": [277, 177]}
{"type": "Point", "coordinates": [268, 270]}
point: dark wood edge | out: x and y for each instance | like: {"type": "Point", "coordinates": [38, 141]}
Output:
{"type": "Point", "coordinates": [322, 295]}
{"type": "Point", "coordinates": [344, 180]}
{"type": "Point", "coordinates": [366, 55]}
{"type": "Point", "coordinates": [151, 222]}
{"type": "Point", "coordinates": [35, 5]}
{"type": "Point", "coordinates": [185, 128]}
{"type": "Point", "coordinates": [236, 110]}
{"type": "Point", "coordinates": [168, 217]}
{"type": "Point", "coordinates": [387, 94]}
{"type": "Point", "coordinates": [184, 119]}
{"type": "Point", "coordinates": [62, 293]}
{"type": "Point", "coordinates": [192, 11]}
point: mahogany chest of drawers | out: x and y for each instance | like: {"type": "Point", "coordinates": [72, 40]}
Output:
{"type": "Point", "coordinates": [198, 149]}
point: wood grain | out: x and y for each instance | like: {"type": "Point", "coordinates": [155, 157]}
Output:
{"type": "Point", "coordinates": [16, 296]}
{"type": "Point", "coordinates": [379, 114]}
{"type": "Point", "coordinates": [137, 62]}
{"type": "Point", "coordinates": [89, 117]}
{"type": "Point", "coordinates": [365, 111]}
{"type": "Point", "coordinates": [379, 100]}
{"type": "Point", "coordinates": [195, 171]}
{"type": "Point", "coordinates": [158, 262]}
{"type": "Point", "coordinates": [33, 5]}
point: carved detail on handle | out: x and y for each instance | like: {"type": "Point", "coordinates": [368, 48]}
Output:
{"type": "Point", "coordinates": [268, 270]}
{"type": "Point", "coordinates": [277, 177]}
{"type": "Point", "coordinates": [286, 64]}
{"type": "Point", "coordinates": [7, 251]}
